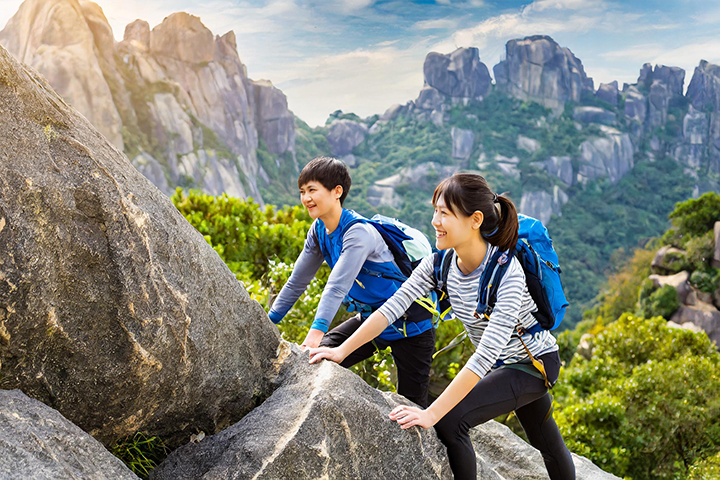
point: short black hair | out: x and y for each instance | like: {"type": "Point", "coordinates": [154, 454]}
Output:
{"type": "Point", "coordinates": [329, 171]}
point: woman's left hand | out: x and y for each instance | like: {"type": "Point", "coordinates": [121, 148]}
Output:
{"type": "Point", "coordinates": [410, 416]}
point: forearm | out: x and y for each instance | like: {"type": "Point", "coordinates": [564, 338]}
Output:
{"type": "Point", "coordinates": [370, 328]}
{"type": "Point", "coordinates": [458, 389]}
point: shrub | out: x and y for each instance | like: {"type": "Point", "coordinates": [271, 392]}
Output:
{"type": "Point", "coordinates": [662, 302]}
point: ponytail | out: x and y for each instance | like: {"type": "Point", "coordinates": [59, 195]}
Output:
{"type": "Point", "coordinates": [470, 192]}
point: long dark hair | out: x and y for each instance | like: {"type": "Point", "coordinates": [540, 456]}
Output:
{"type": "Point", "coordinates": [470, 192]}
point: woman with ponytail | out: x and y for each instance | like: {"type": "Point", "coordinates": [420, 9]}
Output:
{"type": "Point", "coordinates": [475, 223]}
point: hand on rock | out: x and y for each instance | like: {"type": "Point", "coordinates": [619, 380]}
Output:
{"type": "Point", "coordinates": [332, 354]}
{"type": "Point", "coordinates": [312, 340]}
{"type": "Point", "coordinates": [411, 416]}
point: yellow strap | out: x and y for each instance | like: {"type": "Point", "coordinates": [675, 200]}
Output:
{"type": "Point", "coordinates": [538, 364]}
{"type": "Point", "coordinates": [453, 343]}
{"type": "Point", "coordinates": [360, 283]}
{"type": "Point", "coordinates": [427, 304]}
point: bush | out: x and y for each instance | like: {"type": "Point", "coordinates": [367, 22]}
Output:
{"type": "Point", "coordinates": [707, 280]}
{"type": "Point", "coordinates": [662, 302]}
{"type": "Point", "coordinates": [645, 405]}
{"type": "Point", "coordinates": [700, 250]}
{"type": "Point", "coordinates": [693, 218]}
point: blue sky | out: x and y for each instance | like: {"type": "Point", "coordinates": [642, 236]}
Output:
{"type": "Point", "coordinates": [363, 56]}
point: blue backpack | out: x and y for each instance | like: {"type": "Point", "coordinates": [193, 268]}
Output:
{"type": "Point", "coordinates": [534, 251]}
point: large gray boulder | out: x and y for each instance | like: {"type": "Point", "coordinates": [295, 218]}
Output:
{"type": "Point", "coordinates": [322, 422]}
{"type": "Point", "coordinates": [458, 74]}
{"type": "Point", "coordinates": [695, 139]}
{"type": "Point", "coordinates": [138, 32]}
{"type": "Point", "coordinates": [536, 68]}
{"type": "Point", "coordinates": [429, 98]}
{"type": "Point", "coordinates": [115, 311]}
{"type": "Point", "coordinates": [702, 314]}
{"type": "Point", "coordinates": [344, 135]}
{"type": "Point", "coordinates": [38, 443]}
{"type": "Point", "coordinates": [608, 92]}
{"type": "Point", "coordinates": [503, 455]}
{"type": "Point", "coordinates": [610, 156]}
{"type": "Point", "coordinates": [679, 282]}
{"type": "Point", "coordinates": [327, 423]}
{"type": "Point", "coordinates": [673, 78]}
{"type": "Point", "coordinates": [183, 37]}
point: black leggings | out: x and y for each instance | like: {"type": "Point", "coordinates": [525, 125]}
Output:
{"type": "Point", "coordinates": [412, 355]}
{"type": "Point", "coordinates": [500, 392]}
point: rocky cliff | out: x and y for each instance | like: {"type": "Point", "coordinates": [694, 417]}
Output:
{"type": "Point", "coordinates": [119, 315]}
{"type": "Point", "coordinates": [176, 99]}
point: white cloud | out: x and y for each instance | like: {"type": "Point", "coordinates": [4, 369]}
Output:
{"type": "Point", "coordinates": [636, 52]}
{"type": "Point", "coordinates": [364, 81]}
{"type": "Point", "coordinates": [440, 23]}
{"type": "Point", "coordinates": [540, 5]}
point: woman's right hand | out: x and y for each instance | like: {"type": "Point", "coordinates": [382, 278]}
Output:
{"type": "Point", "coordinates": [333, 354]}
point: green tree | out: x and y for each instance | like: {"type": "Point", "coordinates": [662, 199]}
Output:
{"type": "Point", "coordinates": [645, 405]}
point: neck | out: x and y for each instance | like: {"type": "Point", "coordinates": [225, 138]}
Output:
{"type": "Point", "coordinates": [471, 254]}
{"type": "Point", "coordinates": [332, 218]}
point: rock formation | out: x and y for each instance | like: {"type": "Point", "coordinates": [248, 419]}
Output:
{"type": "Point", "coordinates": [344, 135]}
{"type": "Point", "coordinates": [608, 156]}
{"type": "Point", "coordinates": [458, 74]}
{"type": "Point", "coordinates": [704, 94]}
{"type": "Point", "coordinates": [543, 205]}
{"type": "Point", "coordinates": [462, 142]}
{"type": "Point", "coordinates": [177, 99]}
{"type": "Point", "coordinates": [593, 115]}
{"type": "Point", "coordinates": [37, 442]}
{"type": "Point", "coordinates": [537, 69]}
{"type": "Point", "coordinates": [608, 92]}
{"type": "Point", "coordinates": [115, 311]}
{"type": "Point", "coordinates": [330, 424]}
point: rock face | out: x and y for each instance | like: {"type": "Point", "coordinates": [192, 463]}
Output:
{"type": "Point", "coordinates": [608, 92]}
{"type": "Point", "coordinates": [462, 142]}
{"type": "Point", "coordinates": [560, 167]}
{"type": "Point", "coordinates": [716, 256]}
{"type": "Point", "coordinates": [503, 455]}
{"type": "Point", "coordinates": [593, 115]}
{"type": "Point", "coordinates": [610, 156]}
{"type": "Point", "coordinates": [326, 423]}
{"type": "Point", "coordinates": [55, 38]}
{"type": "Point", "coordinates": [37, 442]}
{"type": "Point", "coordinates": [423, 176]}
{"type": "Point", "coordinates": [159, 94]}
{"type": "Point", "coordinates": [115, 311]}
{"type": "Point", "coordinates": [704, 93]}
{"type": "Point", "coordinates": [458, 74]}
{"type": "Point", "coordinates": [344, 135]}
{"type": "Point", "coordinates": [536, 68]}
{"type": "Point", "coordinates": [543, 205]}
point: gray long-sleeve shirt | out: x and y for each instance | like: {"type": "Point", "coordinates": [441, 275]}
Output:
{"type": "Point", "coordinates": [361, 243]}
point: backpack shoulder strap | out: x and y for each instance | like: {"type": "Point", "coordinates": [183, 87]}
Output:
{"type": "Point", "coordinates": [441, 268]}
{"type": "Point", "coordinates": [490, 282]}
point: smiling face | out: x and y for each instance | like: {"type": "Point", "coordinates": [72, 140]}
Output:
{"type": "Point", "coordinates": [318, 200]}
{"type": "Point", "coordinates": [453, 230]}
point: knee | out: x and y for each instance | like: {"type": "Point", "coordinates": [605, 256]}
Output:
{"type": "Point", "coordinates": [449, 430]}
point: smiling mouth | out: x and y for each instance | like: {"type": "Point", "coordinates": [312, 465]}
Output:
{"type": "Point", "coordinates": [440, 234]}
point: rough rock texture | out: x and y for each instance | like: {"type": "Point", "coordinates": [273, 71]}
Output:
{"type": "Point", "coordinates": [159, 94]}
{"type": "Point", "coordinates": [536, 68]}
{"type": "Point", "coordinates": [593, 115]}
{"type": "Point", "coordinates": [503, 455]}
{"type": "Point", "coordinates": [635, 105]}
{"type": "Point", "coordinates": [117, 312]}
{"type": "Point", "coordinates": [344, 135]}
{"type": "Point", "coordinates": [429, 98]}
{"type": "Point", "coordinates": [704, 93]}
{"type": "Point", "coordinates": [543, 205]}
{"type": "Point", "coordinates": [673, 78]}
{"type": "Point", "coordinates": [679, 282]}
{"type": "Point", "coordinates": [695, 139]}
{"type": "Point", "coordinates": [458, 74]}
{"type": "Point", "coordinates": [38, 443]}
{"type": "Point", "coordinates": [54, 37]}
{"type": "Point", "coordinates": [610, 156]}
{"type": "Point", "coordinates": [560, 167]}
{"type": "Point", "coordinates": [462, 142]}
{"type": "Point", "coordinates": [608, 92]}
{"type": "Point", "coordinates": [704, 315]}
{"type": "Point", "coordinates": [326, 423]}
{"type": "Point", "coordinates": [275, 122]}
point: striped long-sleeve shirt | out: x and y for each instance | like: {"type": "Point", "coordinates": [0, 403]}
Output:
{"type": "Point", "coordinates": [494, 339]}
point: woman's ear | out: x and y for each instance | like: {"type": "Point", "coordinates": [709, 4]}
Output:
{"type": "Point", "coordinates": [338, 191]}
{"type": "Point", "coordinates": [477, 219]}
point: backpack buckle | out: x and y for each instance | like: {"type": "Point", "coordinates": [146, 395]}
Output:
{"type": "Point", "coordinates": [476, 314]}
